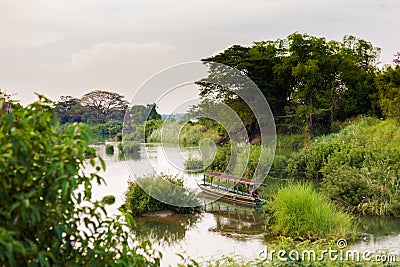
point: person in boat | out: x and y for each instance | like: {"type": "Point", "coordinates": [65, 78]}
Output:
{"type": "Point", "coordinates": [253, 193]}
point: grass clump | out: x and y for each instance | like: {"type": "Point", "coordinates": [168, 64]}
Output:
{"type": "Point", "coordinates": [299, 211]}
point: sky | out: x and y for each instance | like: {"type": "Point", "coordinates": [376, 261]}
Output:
{"type": "Point", "coordinates": [72, 47]}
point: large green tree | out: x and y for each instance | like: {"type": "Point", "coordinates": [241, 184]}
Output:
{"type": "Point", "coordinates": [303, 77]}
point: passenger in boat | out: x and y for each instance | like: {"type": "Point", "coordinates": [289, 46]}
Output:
{"type": "Point", "coordinates": [253, 193]}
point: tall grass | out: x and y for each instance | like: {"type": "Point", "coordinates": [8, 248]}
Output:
{"type": "Point", "coordinates": [359, 167]}
{"type": "Point", "coordinates": [292, 141]}
{"type": "Point", "coordinates": [299, 211]}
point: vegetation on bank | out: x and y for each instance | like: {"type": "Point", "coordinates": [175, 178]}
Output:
{"type": "Point", "coordinates": [169, 189]}
{"type": "Point", "coordinates": [109, 149]}
{"type": "Point", "coordinates": [193, 165]}
{"type": "Point", "coordinates": [127, 147]}
{"type": "Point", "coordinates": [47, 214]}
{"type": "Point", "coordinates": [358, 168]}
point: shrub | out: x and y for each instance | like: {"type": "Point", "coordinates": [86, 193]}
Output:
{"type": "Point", "coordinates": [129, 146]}
{"type": "Point", "coordinates": [47, 215]}
{"type": "Point", "coordinates": [109, 199]}
{"type": "Point", "coordinates": [359, 167]}
{"type": "Point", "coordinates": [167, 188]}
{"type": "Point", "coordinates": [299, 211]}
{"type": "Point", "coordinates": [109, 149]}
{"type": "Point", "coordinates": [193, 165]}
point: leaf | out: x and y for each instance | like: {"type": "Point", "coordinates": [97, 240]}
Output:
{"type": "Point", "coordinates": [103, 164]}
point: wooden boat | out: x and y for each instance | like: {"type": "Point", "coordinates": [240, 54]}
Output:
{"type": "Point", "coordinates": [228, 187]}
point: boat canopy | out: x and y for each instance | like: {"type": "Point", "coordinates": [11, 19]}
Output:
{"type": "Point", "coordinates": [233, 178]}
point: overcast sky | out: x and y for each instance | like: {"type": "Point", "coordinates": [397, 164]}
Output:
{"type": "Point", "coordinates": [72, 47]}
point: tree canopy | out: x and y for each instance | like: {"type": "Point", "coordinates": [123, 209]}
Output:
{"type": "Point", "coordinates": [304, 78]}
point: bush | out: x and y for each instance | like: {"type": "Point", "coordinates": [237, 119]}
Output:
{"type": "Point", "coordinates": [299, 211]}
{"type": "Point", "coordinates": [47, 215]}
{"type": "Point", "coordinates": [359, 167]}
{"type": "Point", "coordinates": [138, 201]}
{"type": "Point", "coordinates": [129, 146]}
{"type": "Point", "coordinates": [109, 149]}
{"type": "Point", "coordinates": [193, 165]}
{"type": "Point", "coordinates": [109, 199]}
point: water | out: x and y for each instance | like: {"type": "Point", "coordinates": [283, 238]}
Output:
{"type": "Point", "coordinates": [223, 228]}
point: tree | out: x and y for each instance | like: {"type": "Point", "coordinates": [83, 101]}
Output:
{"type": "Point", "coordinates": [47, 215]}
{"type": "Point", "coordinates": [69, 109]}
{"type": "Point", "coordinates": [105, 105]}
{"type": "Point", "coordinates": [357, 72]}
{"type": "Point", "coordinates": [262, 64]}
{"type": "Point", "coordinates": [140, 122]}
{"type": "Point", "coordinates": [396, 59]}
{"type": "Point", "coordinates": [388, 83]}
{"type": "Point", "coordinates": [303, 77]}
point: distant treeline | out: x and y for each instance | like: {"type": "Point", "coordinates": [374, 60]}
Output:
{"type": "Point", "coordinates": [311, 84]}
{"type": "Point", "coordinates": [104, 111]}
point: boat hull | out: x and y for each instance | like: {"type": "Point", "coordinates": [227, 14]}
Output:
{"type": "Point", "coordinates": [240, 199]}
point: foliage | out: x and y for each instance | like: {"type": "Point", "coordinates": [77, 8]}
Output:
{"type": "Point", "coordinates": [107, 130]}
{"type": "Point", "coordinates": [109, 149]}
{"type": "Point", "coordinates": [141, 122]}
{"type": "Point", "coordinates": [129, 147]}
{"type": "Point", "coordinates": [388, 84]}
{"type": "Point", "coordinates": [69, 109]}
{"type": "Point", "coordinates": [47, 215]}
{"type": "Point", "coordinates": [194, 133]}
{"type": "Point", "coordinates": [232, 159]}
{"type": "Point", "coordinates": [358, 167]}
{"type": "Point", "coordinates": [307, 80]}
{"type": "Point", "coordinates": [300, 211]}
{"type": "Point", "coordinates": [193, 165]}
{"type": "Point", "coordinates": [109, 199]}
{"type": "Point", "coordinates": [292, 141]}
{"type": "Point", "coordinates": [138, 201]}
{"type": "Point", "coordinates": [104, 105]}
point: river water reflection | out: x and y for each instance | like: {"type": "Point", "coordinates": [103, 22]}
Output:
{"type": "Point", "coordinates": [222, 228]}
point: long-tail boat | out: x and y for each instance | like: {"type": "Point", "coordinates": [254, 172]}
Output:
{"type": "Point", "coordinates": [236, 189]}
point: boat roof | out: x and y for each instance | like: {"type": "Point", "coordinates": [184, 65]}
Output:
{"type": "Point", "coordinates": [233, 178]}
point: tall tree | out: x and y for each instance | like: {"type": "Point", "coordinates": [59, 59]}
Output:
{"type": "Point", "coordinates": [303, 77]}
{"type": "Point", "coordinates": [69, 109]}
{"type": "Point", "coordinates": [105, 105]}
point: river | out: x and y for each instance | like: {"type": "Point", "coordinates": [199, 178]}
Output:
{"type": "Point", "coordinates": [222, 228]}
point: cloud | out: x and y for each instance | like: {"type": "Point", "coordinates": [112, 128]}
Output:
{"type": "Point", "coordinates": [123, 54]}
